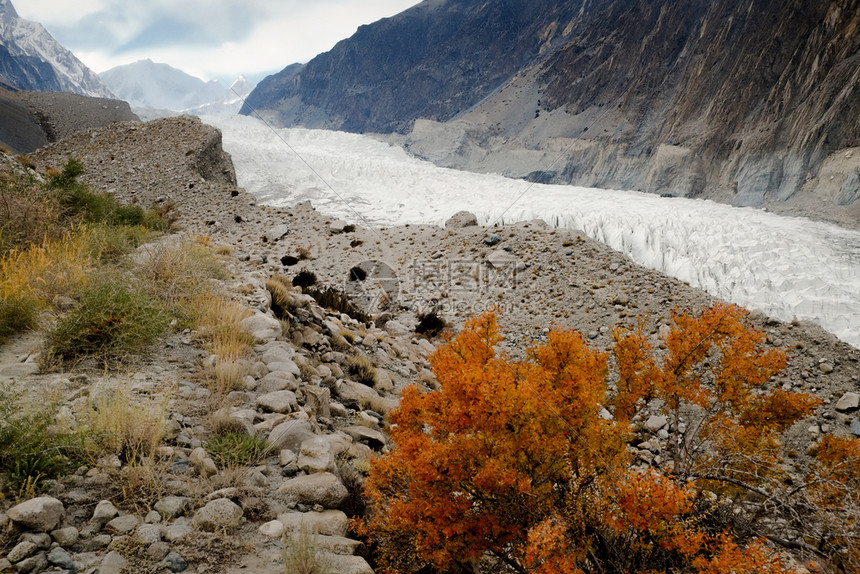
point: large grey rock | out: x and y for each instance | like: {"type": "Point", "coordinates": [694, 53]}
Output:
{"type": "Point", "coordinates": [172, 506]}
{"type": "Point", "coordinates": [316, 455]}
{"type": "Point", "coordinates": [328, 522]}
{"type": "Point", "coordinates": [43, 513]}
{"type": "Point", "coordinates": [372, 438]}
{"type": "Point", "coordinates": [262, 327]}
{"type": "Point", "coordinates": [113, 563]}
{"type": "Point", "coordinates": [277, 232]}
{"type": "Point", "coordinates": [278, 402]}
{"type": "Point", "coordinates": [655, 423]}
{"type": "Point", "coordinates": [277, 381]}
{"type": "Point", "coordinates": [290, 435]}
{"type": "Point", "coordinates": [60, 558]}
{"type": "Point", "coordinates": [104, 512]}
{"type": "Point", "coordinates": [66, 537]}
{"type": "Point", "coordinates": [21, 551]}
{"type": "Point", "coordinates": [396, 328]}
{"type": "Point", "coordinates": [149, 533]}
{"type": "Point", "coordinates": [279, 353]}
{"type": "Point", "coordinates": [318, 401]}
{"type": "Point", "coordinates": [219, 514]}
{"type": "Point", "coordinates": [461, 219]}
{"type": "Point", "coordinates": [322, 488]}
{"type": "Point", "coordinates": [848, 402]}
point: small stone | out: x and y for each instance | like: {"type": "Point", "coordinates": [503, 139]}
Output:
{"type": "Point", "coordinates": [105, 512]}
{"type": "Point", "coordinates": [656, 422]}
{"type": "Point", "coordinates": [21, 551]}
{"type": "Point", "coordinates": [158, 551]}
{"type": "Point", "coordinates": [60, 558]}
{"type": "Point", "coordinates": [96, 542]}
{"type": "Point", "coordinates": [37, 563]}
{"type": "Point", "coordinates": [149, 533]}
{"type": "Point", "coordinates": [287, 457]}
{"type": "Point", "coordinates": [855, 427]}
{"type": "Point", "coordinates": [171, 506]}
{"type": "Point", "coordinates": [122, 525]}
{"type": "Point", "coordinates": [152, 517]}
{"type": "Point", "coordinates": [42, 514]}
{"type": "Point", "coordinates": [42, 540]}
{"type": "Point", "coordinates": [66, 537]}
{"type": "Point", "coordinates": [113, 563]}
{"type": "Point", "coordinates": [175, 562]}
{"type": "Point", "coordinates": [272, 529]}
{"type": "Point", "coordinates": [178, 530]}
{"type": "Point", "coordinates": [825, 368]}
{"type": "Point", "coordinates": [219, 514]}
{"type": "Point", "coordinates": [492, 239]}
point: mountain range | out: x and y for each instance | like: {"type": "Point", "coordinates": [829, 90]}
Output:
{"type": "Point", "coordinates": [31, 59]}
{"type": "Point", "coordinates": [751, 103]}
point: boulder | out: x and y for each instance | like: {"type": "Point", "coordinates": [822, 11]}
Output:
{"type": "Point", "coordinates": [43, 513]}
{"type": "Point", "coordinates": [321, 488]}
{"type": "Point", "coordinates": [347, 564]}
{"type": "Point", "coordinates": [262, 327]}
{"type": "Point", "coordinates": [372, 438]}
{"type": "Point", "coordinates": [122, 524]}
{"type": "Point", "coordinates": [278, 402]}
{"type": "Point", "coordinates": [316, 455]}
{"type": "Point", "coordinates": [171, 506]}
{"type": "Point", "coordinates": [318, 401]}
{"type": "Point", "coordinates": [461, 219]}
{"type": "Point", "coordinates": [290, 435]}
{"type": "Point", "coordinates": [848, 402]}
{"type": "Point", "coordinates": [327, 522]}
{"type": "Point", "coordinates": [221, 514]}
{"type": "Point", "coordinates": [277, 232]}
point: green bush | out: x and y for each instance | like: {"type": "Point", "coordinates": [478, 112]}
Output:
{"type": "Point", "coordinates": [17, 314]}
{"type": "Point", "coordinates": [111, 322]}
{"type": "Point", "coordinates": [236, 448]}
{"type": "Point", "coordinates": [30, 452]}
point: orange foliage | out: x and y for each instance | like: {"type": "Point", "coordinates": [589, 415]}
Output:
{"type": "Point", "coordinates": [510, 457]}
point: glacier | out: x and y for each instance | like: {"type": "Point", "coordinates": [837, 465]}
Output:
{"type": "Point", "coordinates": [786, 267]}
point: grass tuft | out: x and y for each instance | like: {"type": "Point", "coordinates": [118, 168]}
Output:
{"type": "Point", "coordinates": [362, 370]}
{"type": "Point", "coordinates": [233, 449]}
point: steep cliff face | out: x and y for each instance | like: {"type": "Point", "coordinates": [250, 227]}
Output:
{"type": "Point", "coordinates": [434, 60]}
{"type": "Point", "coordinates": [752, 102]}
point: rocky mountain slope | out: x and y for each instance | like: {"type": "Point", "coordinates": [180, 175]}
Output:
{"type": "Point", "coordinates": [301, 394]}
{"type": "Point", "coordinates": [31, 59]}
{"type": "Point", "coordinates": [750, 104]}
{"type": "Point", "coordinates": [29, 120]}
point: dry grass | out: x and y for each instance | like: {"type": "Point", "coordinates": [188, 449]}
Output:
{"type": "Point", "coordinates": [177, 271]}
{"type": "Point", "coordinates": [45, 271]}
{"type": "Point", "coordinates": [127, 426]}
{"type": "Point", "coordinates": [230, 375]}
{"type": "Point", "coordinates": [362, 370]}
{"type": "Point", "coordinates": [282, 299]}
{"type": "Point", "coordinates": [219, 321]}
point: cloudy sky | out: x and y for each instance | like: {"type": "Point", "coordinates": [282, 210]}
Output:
{"type": "Point", "coordinates": [210, 39]}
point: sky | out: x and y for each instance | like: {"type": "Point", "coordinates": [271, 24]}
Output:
{"type": "Point", "coordinates": [210, 39]}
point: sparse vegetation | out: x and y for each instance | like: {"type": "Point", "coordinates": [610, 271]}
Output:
{"type": "Point", "coordinates": [302, 555]}
{"type": "Point", "coordinates": [304, 279]}
{"type": "Point", "coordinates": [336, 300]}
{"type": "Point", "coordinates": [357, 274]}
{"type": "Point", "coordinates": [362, 370]}
{"type": "Point", "coordinates": [236, 448]}
{"type": "Point", "coordinates": [32, 449]}
{"type": "Point", "coordinates": [126, 425]}
{"type": "Point", "coordinates": [111, 322]}
{"type": "Point", "coordinates": [430, 324]}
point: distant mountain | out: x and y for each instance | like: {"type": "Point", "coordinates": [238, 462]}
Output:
{"type": "Point", "coordinates": [750, 103]}
{"type": "Point", "coordinates": [31, 59]}
{"type": "Point", "coordinates": [163, 88]}
{"type": "Point", "coordinates": [146, 84]}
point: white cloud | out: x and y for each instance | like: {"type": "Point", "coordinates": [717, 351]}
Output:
{"type": "Point", "coordinates": [209, 39]}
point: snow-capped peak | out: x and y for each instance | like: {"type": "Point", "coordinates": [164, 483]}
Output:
{"type": "Point", "coordinates": [24, 40]}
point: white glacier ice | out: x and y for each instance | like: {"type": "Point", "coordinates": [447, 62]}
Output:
{"type": "Point", "coordinates": [786, 267]}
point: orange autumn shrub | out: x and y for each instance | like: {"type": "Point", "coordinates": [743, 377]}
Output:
{"type": "Point", "coordinates": [512, 462]}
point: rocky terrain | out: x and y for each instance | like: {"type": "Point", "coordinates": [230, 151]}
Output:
{"type": "Point", "coordinates": [302, 394]}
{"type": "Point", "coordinates": [29, 120]}
{"type": "Point", "coordinates": [748, 104]}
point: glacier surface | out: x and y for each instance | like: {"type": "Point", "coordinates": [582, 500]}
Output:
{"type": "Point", "coordinates": [786, 267]}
